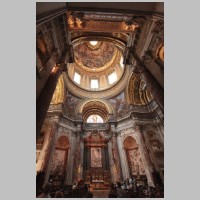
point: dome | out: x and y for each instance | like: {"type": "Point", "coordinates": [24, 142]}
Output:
{"type": "Point", "coordinates": [98, 65]}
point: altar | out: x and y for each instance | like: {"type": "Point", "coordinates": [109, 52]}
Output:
{"type": "Point", "coordinates": [96, 162]}
{"type": "Point", "coordinates": [98, 184]}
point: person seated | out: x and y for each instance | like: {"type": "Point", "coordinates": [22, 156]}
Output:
{"type": "Point", "coordinates": [46, 191]}
{"type": "Point", "coordinates": [113, 192]}
{"type": "Point", "coordinates": [74, 186]}
{"type": "Point", "coordinates": [89, 195]}
{"type": "Point", "coordinates": [120, 192]}
{"type": "Point", "coordinates": [59, 194]}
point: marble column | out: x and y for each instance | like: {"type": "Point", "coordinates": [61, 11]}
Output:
{"type": "Point", "coordinates": [153, 157]}
{"type": "Point", "coordinates": [50, 152]}
{"type": "Point", "coordinates": [144, 155]}
{"type": "Point", "coordinates": [70, 160]}
{"type": "Point", "coordinates": [46, 95]}
{"type": "Point", "coordinates": [123, 159]}
{"type": "Point", "coordinates": [113, 170]}
{"type": "Point", "coordinates": [82, 158]}
{"type": "Point", "coordinates": [45, 147]}
{"type": "Point", "coordinates": [111, 162]}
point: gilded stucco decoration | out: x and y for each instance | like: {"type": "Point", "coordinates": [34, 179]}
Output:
{"type": "Point", "coordinates": [137, 92]}
{"type": "Point", "coordinates": [160, 52]}
{"type": "Point", "coordinates": [100, 22]}
{"type": "Point", "coordinates": [58, 95]}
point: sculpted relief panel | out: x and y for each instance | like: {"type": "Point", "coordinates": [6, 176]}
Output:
{"type": "Point", "coordinates": [134, 158]}
{"type": "Point", "coordinates": [96, 158]}
{"type": "Point", "coordinates": [136, 162]}
{"type": "Point", "coordinates": [60, 156]}
{"type": "Point", "coordinates": [57, 166]}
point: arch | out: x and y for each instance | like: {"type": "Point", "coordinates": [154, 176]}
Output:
{"type": "Point", "coordinates": [62, 142]}
{"type": "Point", "coordinates": [95, 108]}
{"type": "Point", "coordinates": [130, 143]}
{"type": "Point", "coordinates": [81, 105]}
{"type": "Point", "coordinates": [137, 92]}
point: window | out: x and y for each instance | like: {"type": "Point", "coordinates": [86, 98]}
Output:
{"type": "Point", "coordinates": [77, 78]}
{"type": "Point", "coordinates": [93, 43]}
{"type": "Point", "coordinates": [94, 119]}
{"type": "Point", "coordinates": [112, 78]}
{"type": "Point", "coordinates": [121, 62]}
{"type": "Point", "coordinates": [94, 83]}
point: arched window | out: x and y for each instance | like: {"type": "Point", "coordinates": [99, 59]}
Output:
{"type": "Point", "coordinates": [121, 62]}
{"type": "Point", "coordinates": [94, 119]}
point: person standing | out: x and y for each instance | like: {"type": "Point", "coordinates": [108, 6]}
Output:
{"type": "Point", "coordinates": [46, 191]}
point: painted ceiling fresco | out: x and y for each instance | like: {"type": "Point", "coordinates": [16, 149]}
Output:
{"type": "Point", "coordinates": [120, 105]}
{"type": "Point", "coordinates": [94, 58]}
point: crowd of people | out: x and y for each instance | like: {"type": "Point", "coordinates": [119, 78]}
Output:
{"type": "Point", "coordinates": [132, 188]}
{"type": "Point", "coordinates": [78, 190]}
{"type": "Point", "coordinates": [129, 188]}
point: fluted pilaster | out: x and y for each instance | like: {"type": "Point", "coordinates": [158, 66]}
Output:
{"type": "Point", "coordinates": [144, 155]}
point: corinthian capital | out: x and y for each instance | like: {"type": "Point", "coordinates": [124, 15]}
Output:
{"type": "Point", "coordinates": [137, 127]}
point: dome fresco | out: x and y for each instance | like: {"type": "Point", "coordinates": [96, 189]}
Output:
{"type": "Point", "coordinates": [97, 65]}
{"type": "Point", "coordinates": [89, 56]}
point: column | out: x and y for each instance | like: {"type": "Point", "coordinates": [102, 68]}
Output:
{"type": "Point", "coordinates": [82, 158]}
{"type": "Point", "coordinates": [70, 160]}
{"type": "Point", "coordinates": [45, 147]}
{"type": "Point", "coordinates": [45, 97]}
{"type": "Point", "coordinates": [113, 171]}
{"type": "Point", "coordinates": [123, 159]}
{"type": "Point", "coordinates": [144, 155]}
{"type": "Point", "coordinates": [50, 152]}
{"type": "Point", "coordinates": [154, 160]}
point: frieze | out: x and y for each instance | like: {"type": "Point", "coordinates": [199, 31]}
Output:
{"type": "Point", "coordinates": [67, 126]}
{"type": "Point", "coordinates": [109, 17]}
{"type": "Point", "coordinates": [99, 22]}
